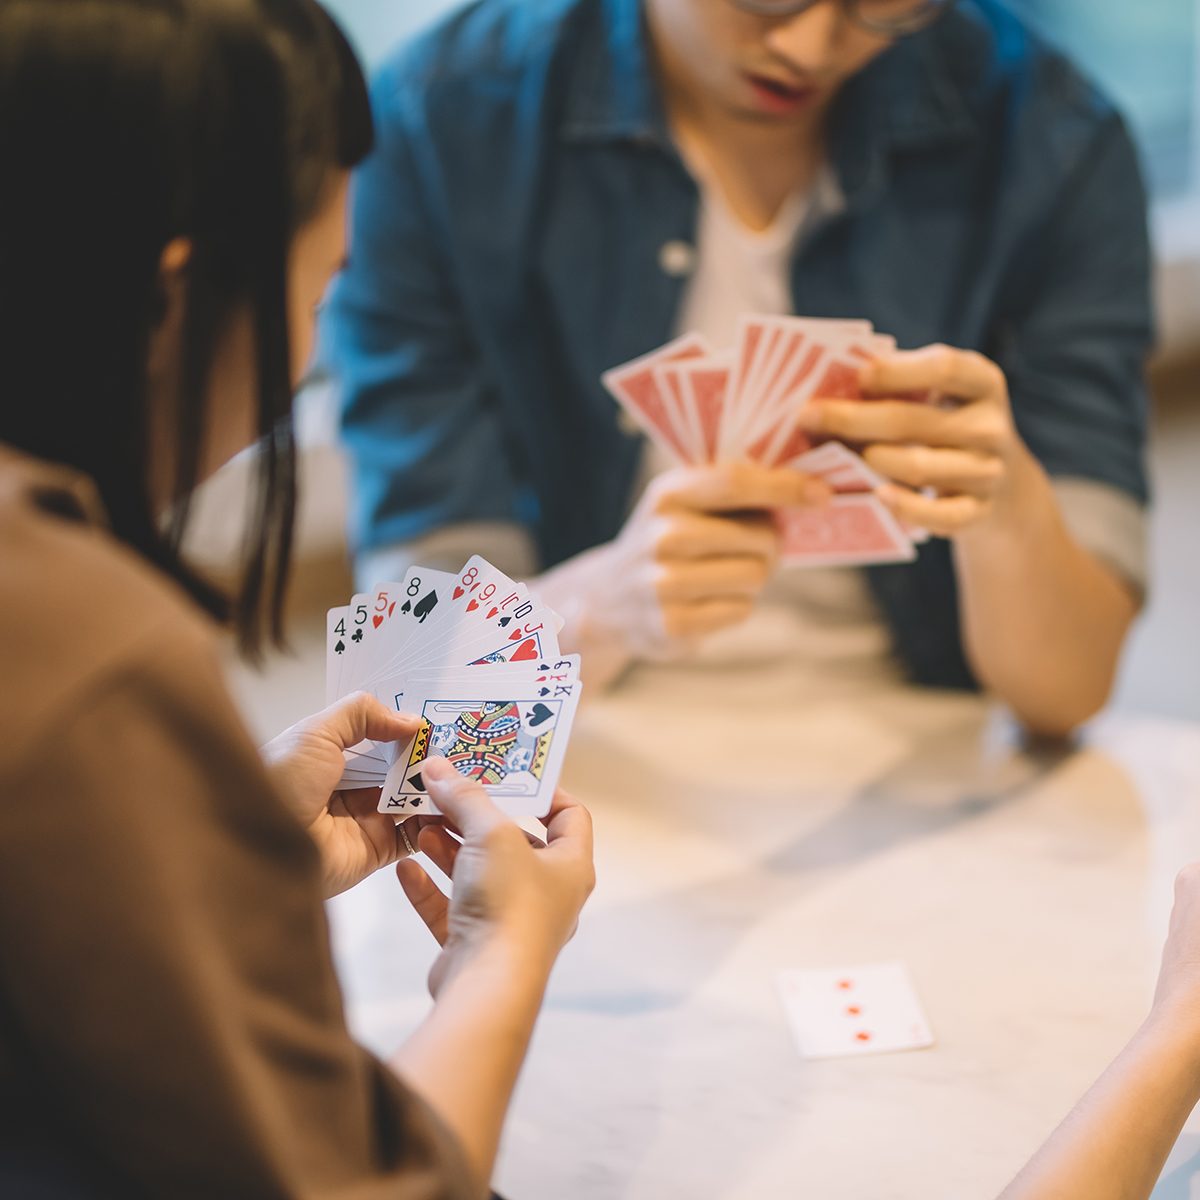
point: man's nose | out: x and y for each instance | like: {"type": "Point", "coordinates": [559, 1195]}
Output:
{"type": "Point", "coordinates": [809, 41]}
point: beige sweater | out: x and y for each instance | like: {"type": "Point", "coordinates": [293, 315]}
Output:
{"type": "Point", "coordinates": [169, 1013]}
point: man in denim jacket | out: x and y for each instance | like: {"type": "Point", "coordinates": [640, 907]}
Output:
{"type": "Point", "coordinates": [563, 185]}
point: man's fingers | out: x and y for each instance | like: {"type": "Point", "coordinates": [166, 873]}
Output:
{"type": "Point", "coordinates": [703, 535]}
{"type": "Point", "coordinates": [902, 421]}
{"type": "Point", "coordinates": [962, 374]}
{"type": "Point", "coordinates": [706, 616]}
{"type": "Point", "coordinates": [360, 716]}
{"type": "Point", "coordinates": [739, 487]}
{"type": "Point", "coordinates": [710, 579]}
{"type": "Point", "coordinates": [426, 897]}
{"type": "Point", "coordinates": [969, 471]}
{"type": "Point", "coordinates": [943, 517]}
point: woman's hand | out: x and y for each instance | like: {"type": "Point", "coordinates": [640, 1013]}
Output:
{"type": "Point", "coordinates": [511, 892]}
{"type": "Point", "coordinates": [1177, 998]}
{"type": "Point", "coordinates": [306, 763]}
{"type": "Point", "coordinates": [964, 445]}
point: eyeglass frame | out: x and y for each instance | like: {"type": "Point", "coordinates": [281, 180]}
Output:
{"type": "Point", "coordinates": [935, 11]}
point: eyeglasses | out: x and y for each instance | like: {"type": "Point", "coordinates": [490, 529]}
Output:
{"type": "Point", "coordinates": [891, 18]}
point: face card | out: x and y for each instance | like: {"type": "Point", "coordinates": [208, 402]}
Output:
{"type": "Point", "coordinates": [851, 530]}
{"type": "Point", "coordinates": [851, 1011]}
{"type": "Point", "coordinates": [514, 745]}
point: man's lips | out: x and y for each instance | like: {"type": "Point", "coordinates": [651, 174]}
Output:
{"type": "Point", "coordinates": [778, 95]}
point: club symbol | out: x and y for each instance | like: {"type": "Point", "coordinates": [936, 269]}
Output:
{"type": "Point", "coordinates": [356, 636]}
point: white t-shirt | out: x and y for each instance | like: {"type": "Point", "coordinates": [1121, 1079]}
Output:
{"type": "Point", "coordinates": [820, 614]}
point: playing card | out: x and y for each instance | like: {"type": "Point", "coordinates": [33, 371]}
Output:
{"type": "Point", "coordinates": [514, 745]}
{"type": "Point", "coordinates": [636, 387]}
{"type": "Point", "coordinates": [445, 645]}
{"type": "Point", "coordinates": [851, 530]}
{"type": "Point", "coordinates": [844, 1011]}
{"type": "Point", "coordinates": [746, 403]}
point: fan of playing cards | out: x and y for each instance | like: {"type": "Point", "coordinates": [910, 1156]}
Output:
{"type": "Point", "coordinates": [476, 656]}
{"type": "Point", "coordinates": [705, 407]}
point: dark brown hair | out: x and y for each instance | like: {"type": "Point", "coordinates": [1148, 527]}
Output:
{"type": "Point", "coordinates": [125, 124]}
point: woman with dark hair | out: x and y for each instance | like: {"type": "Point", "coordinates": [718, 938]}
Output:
{"type": "Point", "coordinates": [170, 1022]}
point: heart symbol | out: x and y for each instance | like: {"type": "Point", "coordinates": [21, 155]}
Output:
{"type": "Point", "coordinates": [473, 606]}
{"type": "Point", "coordinates": [492, 613]}
{"type": "Point", "coordinates": [458, 593]}
{"type": "Point", "coordinates": [525, 653]}
{"type": "Point", "coordinates": [378, 621]}
{"type": "Point", "coordinates": [474, 585]}
{"type": "Point", "coordinates": [515, 636]}
{"type": "Point", "coordinates": [392, 608]}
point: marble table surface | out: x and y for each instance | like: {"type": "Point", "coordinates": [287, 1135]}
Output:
{"type": "Point", "coordinates": [751, 820]}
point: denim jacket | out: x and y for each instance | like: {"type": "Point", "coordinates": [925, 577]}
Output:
{"type": "Point", "coordinates": [508, 237]}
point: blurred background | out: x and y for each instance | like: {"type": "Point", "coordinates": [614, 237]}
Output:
{"type": "Point", "coordinates": [1146, 54]}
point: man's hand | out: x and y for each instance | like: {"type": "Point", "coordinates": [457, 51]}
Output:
{"type": "Point", "coordinates": [963, 445]}
{"type": "Point", "coordinates": [306, 763]}
{"type": "Point", "coordinates": [699, 548]}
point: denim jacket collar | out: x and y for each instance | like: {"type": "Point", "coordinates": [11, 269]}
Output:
{"type": "Point", "coordinates": [908, 99]}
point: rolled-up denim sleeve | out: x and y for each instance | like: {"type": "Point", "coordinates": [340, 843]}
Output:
{"type": "Point", "coordinates": [1075, 352]}
{"type": "Point", "coordinates": [420, 419]}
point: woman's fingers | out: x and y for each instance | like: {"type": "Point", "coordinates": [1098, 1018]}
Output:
{"type": "Point", "coordinates": [463, 801]}
{"type": "Point", "coordinates": [426, 897]}
{"type": "Point", "coordinates": [969, 471]}
{"type": "Point", "coordinates": [360, 716]}
{"type": "Point", "coordinates": [440, 846]}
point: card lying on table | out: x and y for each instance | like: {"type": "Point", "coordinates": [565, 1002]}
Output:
{"type": "Point", "coordinates": [701, 407]}
{"type": "Point", "coordinates": [854, 1010]}
{"type": "Point", "coordinates": [477, 658]}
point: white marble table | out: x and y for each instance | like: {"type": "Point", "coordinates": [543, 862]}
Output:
{"type": "Point", "coordinates": [750, 821]}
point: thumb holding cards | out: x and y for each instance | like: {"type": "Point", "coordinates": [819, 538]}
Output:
{"type": "Point", "coordinates": [306, 763]}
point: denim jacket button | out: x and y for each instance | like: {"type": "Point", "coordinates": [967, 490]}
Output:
{"type": "Point", "coordinates": [677, 259]}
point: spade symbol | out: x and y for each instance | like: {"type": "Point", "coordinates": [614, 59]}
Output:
{"type": "Point", "coordinates": [356, 636]}
{"type": "Point", "coordinates": [407, 607]}
{"type": "Point", "coordinates": [539, 716]}
{"type": "Point", "coordinates": [425, 606]}
{"type": "Point", "coordinates": [544, 692]}
{"type": "Point", "coordinates": [415, 781]}
{"type": "Point", "coordinates": [417, 802]}
{"type": "Point", "coordinates": [340, 648]}
{"type": "Point", "coordinates": [544, 667]}
{"type": "Point", "coordinates": [505, 622]}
